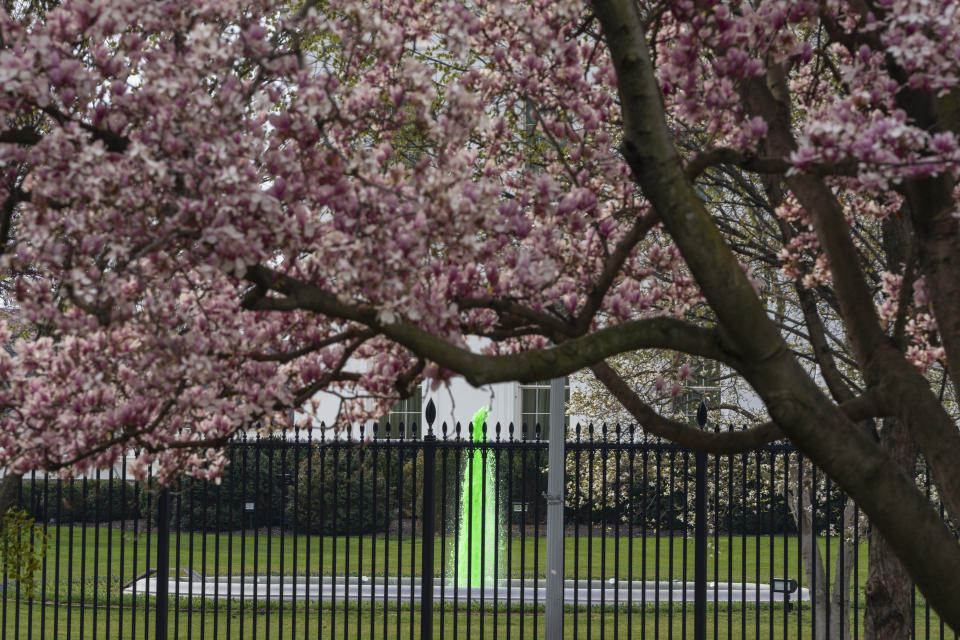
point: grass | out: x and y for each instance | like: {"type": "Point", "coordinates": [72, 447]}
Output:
{"type": "Point", "coordinates": [375, 622]}
{"type": "Point", "coordinates": [111, 552]}
{"type": "Point", "coordinates": [85, 572]}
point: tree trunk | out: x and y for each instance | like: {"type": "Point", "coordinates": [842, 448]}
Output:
{"type": "Point", "coordinates": [831, 615]}
{"type": "Point", "coordinates": [840, 599]}
{"type": "Point", "coordinates": [889, 615]}
{"type": "Point", "coordinates": [8, 491]}
{"type": "Point", "coordinates": [812, 563]}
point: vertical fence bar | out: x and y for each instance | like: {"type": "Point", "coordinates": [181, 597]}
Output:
{"type": "Point", "coordinates": [658, 469]}
{"type": "Point", "coordinates": [247, 524]}
{"type": "Point", "coordinates": [176, 561]}
{"type": "Point", "coordinates": [800, 576]}
{"type": "Point", "coordinates": [645, 464]}
{"type": "Point", "coordinates": [348, 459]}
{"type": "Point", "coordinates": [524, 484]}
{"type": "Point", "coordinates": [538, 451]}
{"type": "Point", "coordinates": [829, 539]}
{"type": "Point", "coordinates": [268, 520]}
{"type": "Point", "coordinates": [483, 524]}
{"type": "Point", "coordinates": [592, 501]}
{"type": "Point", "coordinates": [671, 515]}
{"type": "Point", "coordinates": [429, 518]}
{"type": "Point", "coordinates": [32, 509]}
{"type": "Point", "coordinates": [469, 472]}
{"type": "Point", "coordinates": [497, 509]}
{"type": "Point", "coordinates": [730, 497]}
{"type": "Point", "coordinates": [444, 475]}
{"type": "Point", "coordinates": [46, 532]}
{"type": "Point", "coordinates": [553, 625]}
{"type": "Point", "coordinates": [96, 552]}
{"type": "Point", "coordinates": [511, 455]}
{"type": "Point", "coordinates": [353, 520]}
{"type": "Point", "coordinates": [321, 535]}
{"type": "Point", "coordinates": [786, 548]}
{"type": "Point", "coordinates": [70, 566]}
{"type": "Point", "coordinates": [374, 464]}
{"type": "Point", "coordinates": [217, 603]}
{"type": "Point", "coordinates": [686, 529]}
{"type": "Point", "coordinates": [700, 549]}
{"type": "Point", "coordinates": [576, 530]}
{"type": "Point", "coordinates": [412, 453]}
{"type": "Point", "coordinates": [715, 463]}
{"type": "Point", "coordinates": [399, 496]}
{"type": "Point", "coordinates": [633, 513]}
{"type": "Point", "coordinates": [458, 465]}
{"type": "Point", "coordinates": [81, 586]}
{"type": "Point", "coordinates": [163, 562]}
{"type": "Point", "coordinates": [813, 540]}
{"type": "Point", "coordinates": [360, 507]}
{"type": "Point", "coordinates": [770, 533]}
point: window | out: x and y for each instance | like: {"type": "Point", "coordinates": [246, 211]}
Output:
{"type": "Point", "coordinates": [703, 385]}
{"type": "Point", "coordinates": [535, 407]}
{"type": "Point", "coordinates": [407, 412]}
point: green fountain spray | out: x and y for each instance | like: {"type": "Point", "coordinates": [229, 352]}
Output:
{"type": "Point", "coordinates": [479, 524]}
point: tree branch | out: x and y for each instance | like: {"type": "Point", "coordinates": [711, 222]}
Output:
{"type": "Point", "coordinates": [530, 366]}
{"type": "Point", "coordinates": [290, 356]}
{"type": "Point", "coordinates": [15, 196]}
{"type": "Point", "coordinates": [25, 136]}
{"type": "Point", "coordinates": [761, 164]}
{"type": "Point", "coordinates": [611, 268]}
{"type": "Point", "coordinates": [722, 442]}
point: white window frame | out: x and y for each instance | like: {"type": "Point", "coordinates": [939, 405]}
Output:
{"type": "Point", "coordinates": [401, 411]}
{"type": "Point", "coordinates": [545, 422]}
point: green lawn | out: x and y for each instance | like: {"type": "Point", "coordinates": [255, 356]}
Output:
{"type": "Point", "coordinates": [89, 564]}
{"type": "Point", "coordinates": [110, 552]}
{"type": "Point", "coordinates": [377, 623]}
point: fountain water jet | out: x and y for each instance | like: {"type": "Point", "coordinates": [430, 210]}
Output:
{"type": "Point", "coordinates": [479, 524]}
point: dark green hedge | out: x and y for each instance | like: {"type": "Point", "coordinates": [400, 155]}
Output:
{"type": "Point", "coordinates": [345, 491]}
{"type": "Point", "coordinates": [64, 501]}
{"type": "Point", "coordinates": [256, 473]}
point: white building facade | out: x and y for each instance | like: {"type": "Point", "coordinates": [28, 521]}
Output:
{"type": "Point", "coordinates": [509, 402]}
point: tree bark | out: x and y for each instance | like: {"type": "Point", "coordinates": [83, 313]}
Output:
{"type": "Point", "coordinates": [831, 615]}
{"type": "Point", "coordinates": [888, 614]}
{"type": "Point", "coordinates": [8, 492]}
{"type": "Point", "coordinates": [794, 400]}
{"type": "Point", "coordinates": [840, 599]}
{"type": "Point", "coordinates": [812, 563]}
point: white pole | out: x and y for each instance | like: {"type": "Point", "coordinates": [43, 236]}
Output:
{"type": "Point", "coordinates": [555, 470]}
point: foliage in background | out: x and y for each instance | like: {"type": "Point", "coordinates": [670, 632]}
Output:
{"type": "Point", "coordinates": [23, 544]}
{"type": "Point", "coordinates": [345, 491]}
{"type": "Point", "coordinates": [82, 500]}
{"type": "Point", "coordinates": [261, 475]}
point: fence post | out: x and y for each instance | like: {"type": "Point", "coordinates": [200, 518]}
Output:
{"type": "Point", "coordinates": [553, 623]}
{"type": "Point", "coordinates": [429, 517]}
{"type": "Point", "coordinates": [700, 538]}
{"type": "Point", "coordinates": [163, 562]}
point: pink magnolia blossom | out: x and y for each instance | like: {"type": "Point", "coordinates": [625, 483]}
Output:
{"type": "Point", "coordinates": [441, 155]}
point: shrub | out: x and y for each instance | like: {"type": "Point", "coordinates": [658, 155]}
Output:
{"type": "Point", "coordinates": [329, 487]}
{"type": "Point", "coordinates": [22, 547]}
{"type": "Point", "coordinates": [81, 500]}
{"type": "Point", "coordinates": [411, 503]}
{"type": "Point", "coordinates": [254, 474]}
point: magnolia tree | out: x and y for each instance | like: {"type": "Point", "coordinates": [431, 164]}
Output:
{"type": "Point", "coordinates": [212, 211]}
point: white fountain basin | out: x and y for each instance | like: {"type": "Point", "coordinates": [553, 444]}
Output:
{"type": "Point", "coordinates": [504, 591]}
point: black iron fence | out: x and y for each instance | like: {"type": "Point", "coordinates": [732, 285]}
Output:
{"type": "Point", "coordinates": [309, 537]}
